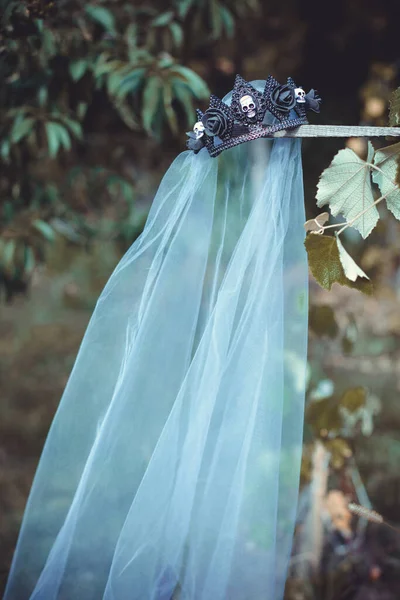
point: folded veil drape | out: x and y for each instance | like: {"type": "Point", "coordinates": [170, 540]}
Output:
{"type": "Point", "coordinates": [171, 468]}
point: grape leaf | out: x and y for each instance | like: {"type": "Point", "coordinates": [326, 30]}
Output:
{"type": "Point", "coordinates": [326, 266]}
{"type": "Point", "coordinates": [346, 186]}
{"type": "Point", "coordinates": [387, 159]}
{"type": "Point", "coordinates": [394, 110]}
{"type": "Point", "coordinates": [350, 267]}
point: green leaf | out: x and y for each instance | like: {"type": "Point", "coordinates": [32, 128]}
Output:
{"type": "Point", "coordinates": [66, 230]}
{"type": "Point", "coordinates": [115, 78]}
{"type": "Point", "coordinates": [184, 96]}
{"type": "Point", "coordinates": [394, 109]}
{"type": "Point", "coordinates": [126, 114]}
{"type": "Point", "coordinates": [104, 65]}
{"type": "Point", "coordinates": [130, 83]}
{"type": "Point", "coordinates": [29, 260]}
{"type": "Point", "coordinates": [5, 149]}
{"type": "Point", "coordinates": [57, 135]}
{"type": "Point", "coordinates": [169, 111]}
{"type": "Point", "coordinates": [162, 19]}
{"type": "Point", "coordinates": [65, 138]}
{"type": "Point", "coordinates": [350, 267]}
{"type": "Point", "coordinates": [387, 159]}
{"type": "Point", "coordinates": [53, 140]}
{"type": "Point", "coordinates": [44, 229]}
{"type": "Point", "coordinates": [103, 16]}
{"type": "Point", "coordinates": [215, 18]}
{"type": "Point", "coordinates": [42, 96]}
{"type": "Point", "coordinates": [81, 110]}
{"type": "Point", "coordinates": [228, 21]}
{"type": "Point", "coordinates": [196, 84]}
{"type": "Point", "coordinates": [78, 68]}
{"type": "Point", "coordinates": [151, 98]}
{"type": "Point", "coordinates": [346, 186]}
{"type": "Point", "coordinates": [8, 211]}
{"type": "Point", "coordinates": [51, 193]}
{"type": "Point", "coordinates": [48, 42]}
{"type": "Point", "coordinates": [165, 62]}
{"type": "Point", "coordinates": [20, 129]}
{"type": "Point", "coordinates": [74, 126]}
{"type": "Point", "coordinates": [131, 35]}
{"type": "Point", "coordinates": [326, 266]}
{"type": "Point", "coordinates": [183, 7]}
{"type": "Point", "coordinates": [177, 34]}
{"type": "Point", "coordinates": [8, 254]}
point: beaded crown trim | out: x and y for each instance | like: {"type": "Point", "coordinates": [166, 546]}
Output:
{"type": "Point", "coordinates": [248, 117]}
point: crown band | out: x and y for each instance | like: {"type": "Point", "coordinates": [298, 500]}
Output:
{"type": "Point", "coordinates": [247, 118]}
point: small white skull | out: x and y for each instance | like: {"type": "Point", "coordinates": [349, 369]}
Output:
{"type": "Point", "coordinates": [198, 130]}
{"type": "Point", "coordinates": [300, 95]}
{"type": "Point", "coordinates": [248, 106]}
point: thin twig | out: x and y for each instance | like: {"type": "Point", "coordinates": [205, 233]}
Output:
{"type": "Point", "coordinates": [361, 213]}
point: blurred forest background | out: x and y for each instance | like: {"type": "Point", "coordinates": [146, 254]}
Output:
{"type": "Point", "coordinates": [95, 100]}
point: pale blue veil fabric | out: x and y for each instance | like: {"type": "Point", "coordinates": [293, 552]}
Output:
{"type": "Point", "coordinates": [171, 468]}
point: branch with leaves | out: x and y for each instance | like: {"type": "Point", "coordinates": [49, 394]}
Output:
{"type": "Point", "coordinates": [60, 63]}
{"type": "Point", "coordinates": [346, 186]}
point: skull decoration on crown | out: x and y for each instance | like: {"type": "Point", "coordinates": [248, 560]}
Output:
{"type": "Point", "coordinates": [249, 106]}
{"type": "Point", "coordinates": [198, 130]}
{"type": "Point", "coordinates": [300, 95]}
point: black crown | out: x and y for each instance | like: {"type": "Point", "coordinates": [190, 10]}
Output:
{"type": "Point", "coordinates": [250, 115]}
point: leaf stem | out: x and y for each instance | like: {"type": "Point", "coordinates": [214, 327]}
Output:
{"type": "Point", "coordinates": [334, 225]}
{"type": "Point", "coordinates": [361, 213]}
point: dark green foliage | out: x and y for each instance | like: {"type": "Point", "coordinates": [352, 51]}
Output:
{"type": "Point", "coordinates": [68, 67]}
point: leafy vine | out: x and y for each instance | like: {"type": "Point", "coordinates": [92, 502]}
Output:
{"type": "Point", "coordinates": [346, 186]}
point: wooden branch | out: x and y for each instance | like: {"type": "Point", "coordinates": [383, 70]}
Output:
{"type": "Point", "coordinates": [332, 131]}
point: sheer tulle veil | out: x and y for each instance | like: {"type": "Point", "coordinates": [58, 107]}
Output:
{"type": "Point", "coordinates": [171, 468]}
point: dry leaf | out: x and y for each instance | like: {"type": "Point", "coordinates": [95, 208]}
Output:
{"type": "Point", "coordinates": [317, 223]}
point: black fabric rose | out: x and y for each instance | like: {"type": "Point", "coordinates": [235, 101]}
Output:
{"type": "Point", "coordinates": [194, 143]}
{"type": "Point", "coordinates": [215, 122]}
{"type": "Point", "coordinates": [313, 101]}
{"type": "Point", "coordinates": [283, 97]}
